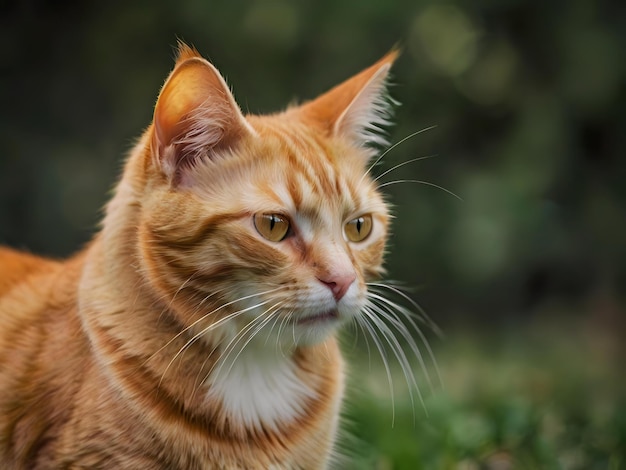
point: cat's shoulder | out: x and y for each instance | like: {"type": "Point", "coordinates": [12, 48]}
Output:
{"type": "Point", "coordinates": [16, 266]}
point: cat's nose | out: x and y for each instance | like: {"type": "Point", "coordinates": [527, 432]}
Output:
{"type": "Point", "coordinates": [338, 284]}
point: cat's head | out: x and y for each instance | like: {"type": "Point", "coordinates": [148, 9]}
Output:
{"type": "Point", "coordinates": [263, 223]}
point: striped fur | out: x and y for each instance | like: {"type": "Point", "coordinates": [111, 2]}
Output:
{"type": "Point", "coordinates": [180, 337]}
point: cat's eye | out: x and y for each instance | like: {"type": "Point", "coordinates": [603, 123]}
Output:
{"type": "Point", "coordinates": [273, 227]}
{"type": "Point", "coordinates": [358, 229]}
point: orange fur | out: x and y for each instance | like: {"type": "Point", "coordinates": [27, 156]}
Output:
{"type": "Point", "coordinates": [124, 356]}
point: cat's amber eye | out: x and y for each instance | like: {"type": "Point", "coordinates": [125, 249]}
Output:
{"type": "Point", "coordinates": [358, 229]}
{"type": "Point", "coordinates": [274, 227]}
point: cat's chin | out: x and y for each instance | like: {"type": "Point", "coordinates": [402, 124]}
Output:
{"type": "Point", "coordinates": [316, 328]}
{"type": "Point", "coordinates": [331, 316]}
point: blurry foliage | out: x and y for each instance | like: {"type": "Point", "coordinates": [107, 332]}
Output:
{"type": "Point", "coordinates": [542, 402]}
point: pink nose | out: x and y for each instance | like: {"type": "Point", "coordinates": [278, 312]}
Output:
{"type": "Point", "coordinates": [338, 284]}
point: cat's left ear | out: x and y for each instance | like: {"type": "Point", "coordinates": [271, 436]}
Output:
{"type": "Point", "coordinates": [358, 108]}
{"type": "Point", "coordinates": [195, 117]}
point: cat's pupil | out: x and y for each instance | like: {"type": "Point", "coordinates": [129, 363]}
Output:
{"type": "Point", "coordinates": [359, 224]}
{"type": "Point", "coordinates": [272, 222]}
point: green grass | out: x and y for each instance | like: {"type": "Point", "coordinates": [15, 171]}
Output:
{"type": "Point", "coordinates": [543, 399]}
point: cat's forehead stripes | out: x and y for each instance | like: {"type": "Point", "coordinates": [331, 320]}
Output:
{"type": "Point", "coordinates": [313, 180]}
{"type": "Point", "coordinates": [307, 155]}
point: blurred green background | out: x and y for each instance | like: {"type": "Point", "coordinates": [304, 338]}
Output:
{"type": "Point", "coordinates": [525, 276]}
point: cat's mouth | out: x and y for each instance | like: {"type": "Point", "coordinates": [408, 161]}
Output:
{"type": "Point", "coordinates": [323, 317]}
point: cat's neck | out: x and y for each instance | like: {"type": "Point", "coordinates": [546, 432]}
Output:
{"type": "Point", "coordinates": [266, 388]}
{"type": "Point", "coordinates": [260, 386]}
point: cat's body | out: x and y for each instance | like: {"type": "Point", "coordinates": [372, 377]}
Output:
{"type": "Point", "coordinates": [196, 330]}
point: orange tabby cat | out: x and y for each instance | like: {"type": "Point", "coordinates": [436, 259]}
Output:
{"type": "Point", "coordinates": [197, 329]}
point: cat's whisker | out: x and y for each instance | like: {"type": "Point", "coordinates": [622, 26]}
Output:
{"type": "Point", "coordinates": [399, 165]}
{"type": "Point", "coordinates": [365, 322]}
{"type": "Point", "coordinates": [196, 385]}
{"type": "Point", "coordinates": [204, 299]}
{"type": "Point", "coordinates": [401, 357]}
{"type": "Point", "coordinates": [355, 338]}
{"type": "Point", "coordinates": [367, 343]}
{"type": "Point", "coordinates": [293, 331]}
{"type": "Point", "coordinates": [243, 331]}
{"type": "Point", "coordinates": [412, 316]}
{"type": "Point", "coordinates": [422, 316]}
{"type": "Point", "coordinates": [208, 296]}
{"type": "Point", "coordinates": [263, 320]}
{"type": "Point", "coordinates": [399, 351]}
{"type": "Point", "coordinates": [388, 183]}
{"type": "Point", "coordinates": [203, 317]}
{"type": "Point", "coordinates": [283, 320]}
{"type": "Point", "coordinates": [235, 339]}
{"type": "Point", "coordinates": [326, 350]}
{"type": "Point", "coordinates": [207, 329]}
{"type": "Point", "coordinates": [280, 329]}
{"type": "Point", "coordinates": [171, 302]}
{"type": "Point", "coordinates": [198, 307]}
{"type": "Point", "coordinates": [409, 316]}
{"type": "Point", "coordinates": [257, 330]}
{"type": "Point", "coordinates": [382, 155]}
{"type": "Point", "coordinates": [269, 333]}
{"type": "Point", "coordinates": [418, 353]}
{"type": "Point", "coordinates": [216, 324]}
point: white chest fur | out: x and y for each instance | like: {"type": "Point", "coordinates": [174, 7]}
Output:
{"type": "Point", "coordinates": [260, 388]}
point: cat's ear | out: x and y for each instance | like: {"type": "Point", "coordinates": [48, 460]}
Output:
{"type": "Point", "coordinates": [359, 107]}
{"type": "Point", "coordinates": [195, 116]}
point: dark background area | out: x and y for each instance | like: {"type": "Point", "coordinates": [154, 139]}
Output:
{"type": "Point", "coordinates": [528, 98]}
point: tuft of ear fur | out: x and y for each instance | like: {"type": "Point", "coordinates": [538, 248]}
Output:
{"type": "Point", "coordinates": [185, 52]}
{"type": "Point", "coordinates": [358, 108]}
{"type": "Point", "coordinates": [195, 116]}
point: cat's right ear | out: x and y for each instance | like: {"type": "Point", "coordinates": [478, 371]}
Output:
{"type": "Point", "coordinates": [195, 117]}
